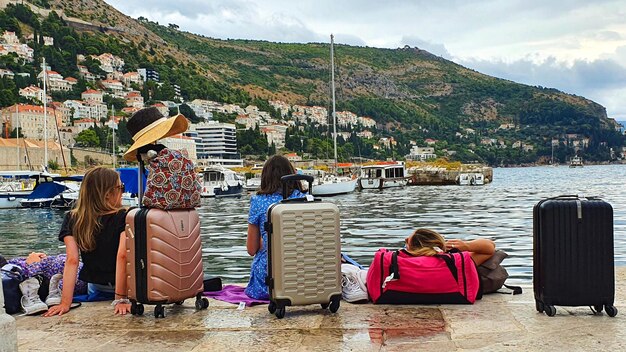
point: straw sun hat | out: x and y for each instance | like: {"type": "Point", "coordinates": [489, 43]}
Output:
{"type": "Point", "coordinates": [148, 125]}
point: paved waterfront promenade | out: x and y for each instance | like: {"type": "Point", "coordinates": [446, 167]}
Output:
{"type": "Point", "coordinates": [497, 323]}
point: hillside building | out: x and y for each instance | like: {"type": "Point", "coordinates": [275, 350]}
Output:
{"type": "Point", "coordinates": [421, 153]}
{"type": "Point", "coordinates": [216, 143]}
{"type": "Point", "coordinates": [31, 120]}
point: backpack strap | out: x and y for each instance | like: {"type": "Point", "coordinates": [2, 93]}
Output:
{"type": "Point", "coordinates": [517, 290]}
{"type": "Point", "coordinates": [449, 259]}
{"type": "Point", "coordinates": [394, 269]}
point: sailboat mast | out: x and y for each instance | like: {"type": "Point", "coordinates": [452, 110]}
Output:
{"type": "Point", "coordinates": [113, 128]}
{"type": "Point", "coordinates": [332, 85]}
{"type": "Point", "coordinates": [17, 130]}
{"type": "Point", "coordinates": [45, 116]}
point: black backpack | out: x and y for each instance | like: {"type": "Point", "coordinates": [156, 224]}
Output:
{"type": "Point", "coordinates": [493, 275]}
{"type": "Point", "coordinates": [11, 279]}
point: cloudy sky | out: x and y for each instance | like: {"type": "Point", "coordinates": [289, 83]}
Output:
{"type": "Point", "coordinates": [577, 46]}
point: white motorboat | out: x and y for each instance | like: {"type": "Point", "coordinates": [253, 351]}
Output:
{"type": "Point", "coordinates": [218, 181]}
{"type": "Point", "coordinates": [383, 175]}
{"type": "Point", "coordinates": [17, 185]}
{"type": "Point", "coordinates": [253, 183]}
{"type": "Point", "coordinates": [471, 179]}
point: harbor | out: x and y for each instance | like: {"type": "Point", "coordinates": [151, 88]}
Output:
{"type": "Point", "coordinates": [371, 219]}
{"type": "Point", "coordinates": [496, 323]}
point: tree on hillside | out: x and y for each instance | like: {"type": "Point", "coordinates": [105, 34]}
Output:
{"type": "Point", "coordinates": [87, 138]}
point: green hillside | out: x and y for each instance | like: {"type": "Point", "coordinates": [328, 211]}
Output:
{"type": "Point", "coordinates": [411, 94]}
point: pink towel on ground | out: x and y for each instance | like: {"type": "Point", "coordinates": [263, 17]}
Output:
{"type": "Point", "coordinates": [234, 294]}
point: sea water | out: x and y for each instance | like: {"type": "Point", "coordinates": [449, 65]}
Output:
{"type": "Point", "coordinates": [501, 210]}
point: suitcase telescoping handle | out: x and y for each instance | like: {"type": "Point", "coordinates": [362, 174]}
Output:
{"type": "Point", "coordinates": [293, 178]}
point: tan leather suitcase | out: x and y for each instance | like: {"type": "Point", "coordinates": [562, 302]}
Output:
{"type": "Point", "coordinates": [304, 252]}
{"type": "Point", "coordinates": [163, 258]}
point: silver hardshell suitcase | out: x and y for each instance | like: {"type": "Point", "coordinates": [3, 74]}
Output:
{"type": "Point", "coordinates": [304, 252]}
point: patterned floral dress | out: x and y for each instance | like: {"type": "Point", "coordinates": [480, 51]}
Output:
{"type": "Point", "coordinates": [258, 216]}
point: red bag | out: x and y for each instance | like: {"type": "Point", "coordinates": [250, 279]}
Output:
{"type": "Point", "coordinates": [172, 181]}
{"type": "Point", "coordinates": [397, 277]}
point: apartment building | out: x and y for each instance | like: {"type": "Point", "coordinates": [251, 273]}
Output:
{"type": "Point", "coordinates": [216, 142]}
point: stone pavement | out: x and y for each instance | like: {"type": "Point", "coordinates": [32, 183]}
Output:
{"type": "Point", "coordinates": [497, 323]}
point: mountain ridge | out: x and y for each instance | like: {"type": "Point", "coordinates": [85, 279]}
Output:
{"type": "Point", "coordinates": [411, 93]}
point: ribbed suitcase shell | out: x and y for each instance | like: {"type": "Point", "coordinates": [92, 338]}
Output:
{"type": "Point", "coordinates": [304, 252]}
{"type": "Point", "coordinates": [573, 252]}
{"type": "Point", "coordinates": [164, 259]}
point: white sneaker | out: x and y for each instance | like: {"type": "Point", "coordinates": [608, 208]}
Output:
{"type": "Point", "coordinates": [54, 292]}
{"type": "Point", "coordinates": [359, 274]}
{"type": "Point", "coordinates": [351, 290]}
{"type": "Point", "coordinates": [31, 303]}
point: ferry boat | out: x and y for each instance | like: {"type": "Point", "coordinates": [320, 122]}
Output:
{"type": "Point", "coordinates": [576, 161]}
{"type": "Point", "coordinates": [218, 181]}
{"type": "Point", "coordinates": [383, 175]}
{"type": "Point", "coordinates": [471, 179]}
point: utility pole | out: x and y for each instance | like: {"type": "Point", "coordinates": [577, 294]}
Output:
{"type": "Point", "coordinates": [114, 127]}
{"type": "Point", "coordinates": [17, 129]}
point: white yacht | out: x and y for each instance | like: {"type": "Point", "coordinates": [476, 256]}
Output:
{"type": "Point", "coordinates": [384, 175]}
{"type": "Point", "coordinates": [218, 181]}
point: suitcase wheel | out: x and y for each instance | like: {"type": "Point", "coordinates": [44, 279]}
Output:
{"type": "Point", "coordinates": [202, 303]}
{"type": "Point", "coordinates": [596, 309]}
{"type": "Point", "coordinates": [179, 303]}
{"type": "Point", "coordinates": [280, 312]}
{"type": "Point", "coordinates": [334, 305]}
{"type": "Point", "coordinates": [159, 311]}
{"type": "Point", "coordinates": [271, 307]}
{"type": "Point", "coordinates": [550, 310]}
{"type": "Point", "coordinates": [324, 305]}
{"type": "Point", "coordinates": [136, 308]}
{"type": "Point", "coordinates": [610, 310]}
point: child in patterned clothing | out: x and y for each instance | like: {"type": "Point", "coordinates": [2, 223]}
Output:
{"type": "Point", "coordinates": [269, 193]}
{"type": "Point", "coordinates": [51, 269]}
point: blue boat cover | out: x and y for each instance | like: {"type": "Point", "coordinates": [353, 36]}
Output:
{"type": "Point", "coordinates": [46, 190]}
{"type": "Point", "coordinates": [128, 175]}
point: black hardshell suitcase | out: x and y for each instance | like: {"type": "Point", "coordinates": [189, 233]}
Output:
{"type": "Point", "coordinates": [573, 254]}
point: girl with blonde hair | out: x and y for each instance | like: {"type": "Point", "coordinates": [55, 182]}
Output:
{"type": "Point", "coordinates": [92, 231]}
{"type": "Point", "coordinates": [425, 242]}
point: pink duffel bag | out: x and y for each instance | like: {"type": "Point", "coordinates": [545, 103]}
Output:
{"type": "Point", "coordinates": [397, 277]}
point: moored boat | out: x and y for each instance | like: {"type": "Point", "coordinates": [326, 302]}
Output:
{"type": "Point", "coordinates": [325, 184]}
{"type": "Point", "coordinates": [17, 185]}
{"type": "Point", "coordinates": [576, 161]}
{"type": "Point", "coordinates": [383, 175]}
{"type": "Point", "coordinates": [218, 181]}
{"type": "Point", "coordinates": [471, 179]}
